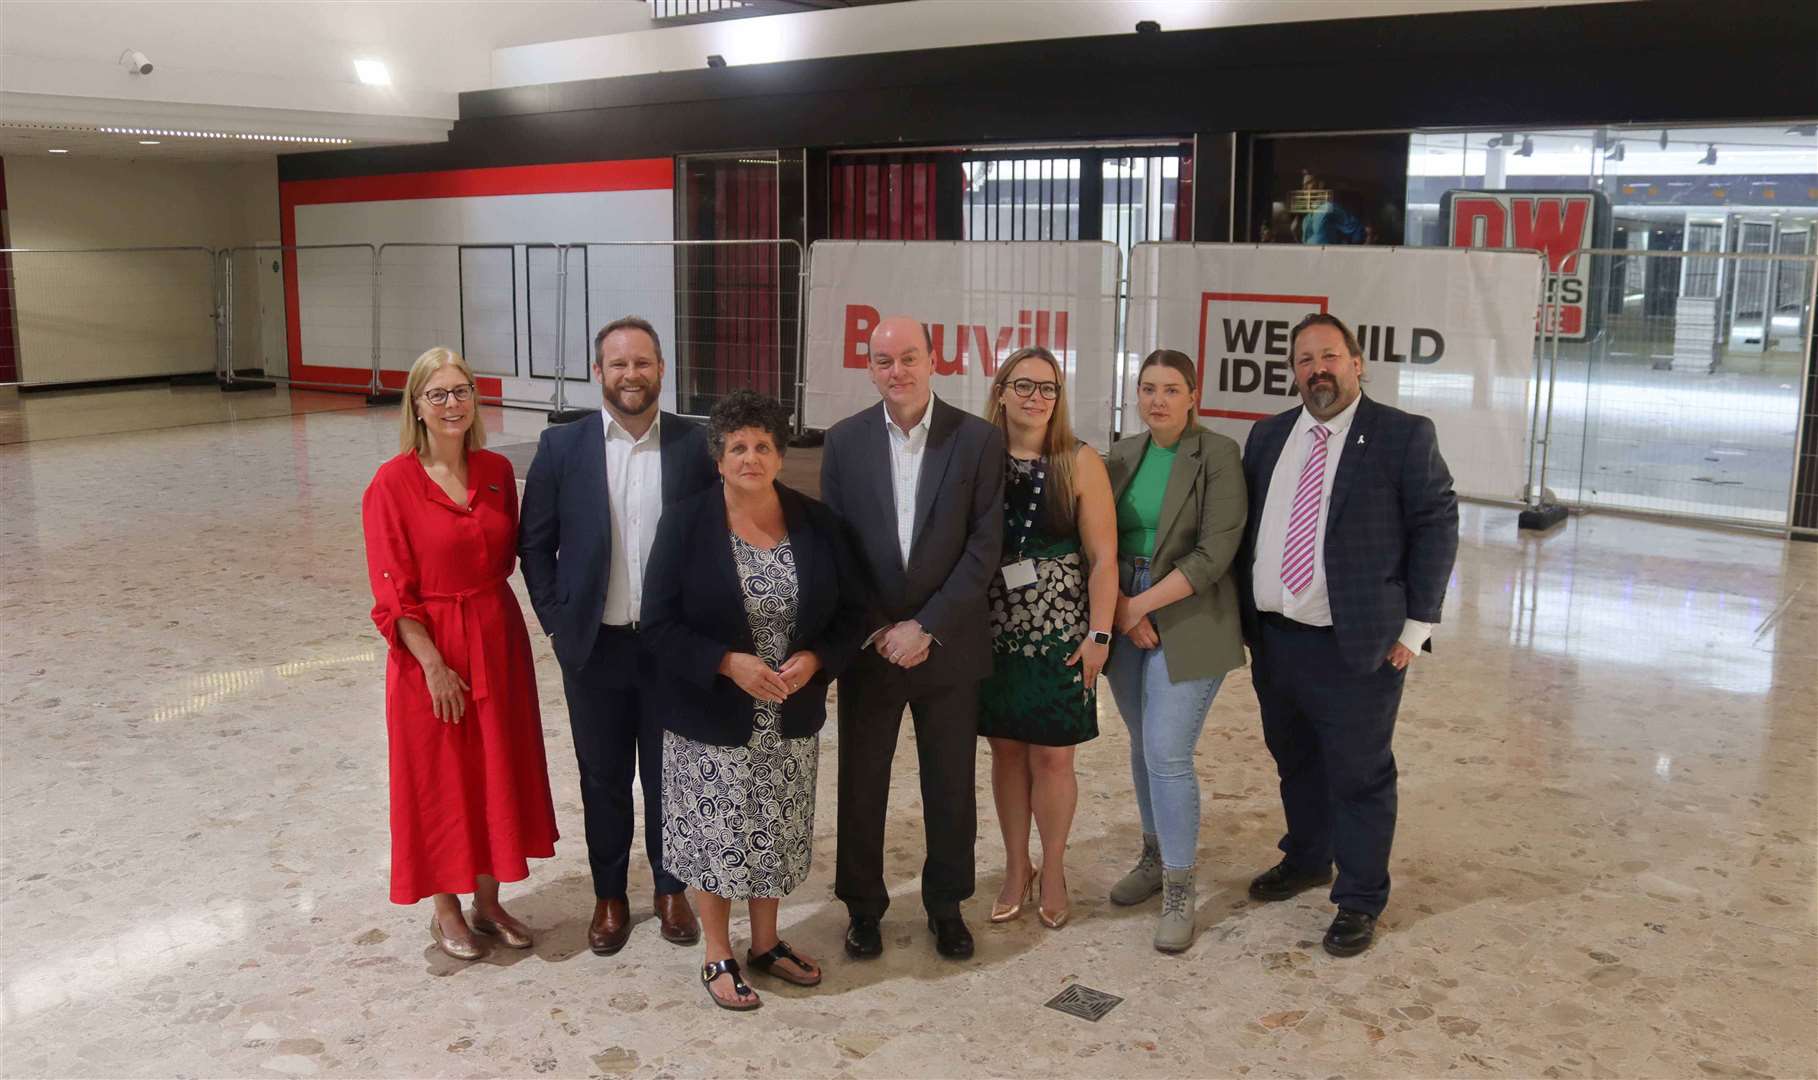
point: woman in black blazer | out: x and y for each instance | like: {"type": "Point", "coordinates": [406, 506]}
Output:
{"type": "Point", "coordinates": [753, 603]}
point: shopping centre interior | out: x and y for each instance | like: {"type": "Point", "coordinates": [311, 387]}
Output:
{"type": "Point", "coordinates": [218, 269]}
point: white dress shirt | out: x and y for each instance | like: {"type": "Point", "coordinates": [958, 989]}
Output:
{"type": "Point", "coordinates": [634, 495]}
{"type": "Point", "coordinates": [907, 449]}
{"type": "Point", "coordinates": [1314, 604]}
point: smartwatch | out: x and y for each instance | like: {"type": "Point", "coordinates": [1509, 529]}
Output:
{"type": "Point", "coordinates": [1100, 637]}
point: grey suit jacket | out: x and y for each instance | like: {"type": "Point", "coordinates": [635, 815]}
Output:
{"type": "Point", "coordinates": [1201, 525]}
{"type": "Point", "coordinates": [958, 537]}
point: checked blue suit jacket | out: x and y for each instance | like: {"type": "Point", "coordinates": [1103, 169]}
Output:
{"type": "Point", "coordinates": [1391, 532]}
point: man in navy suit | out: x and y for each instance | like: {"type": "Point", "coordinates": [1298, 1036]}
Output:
{"type": "Point", "coordinates": [1352, 533]}
{"type": "Point", "coordinates": [592, 499]}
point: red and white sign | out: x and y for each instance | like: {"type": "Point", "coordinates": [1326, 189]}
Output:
{"type": "Point", "coordinates": [1447, 334]}
{"type": "Point", "coordinates": [980, 302]}
{"type": "Point", "coordinates": [1553, 223]}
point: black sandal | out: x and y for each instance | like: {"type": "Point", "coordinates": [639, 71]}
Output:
{"type": "Point", "coordinates": [781, 951]}
{"type": "Point", "coordinates": [728, 966]}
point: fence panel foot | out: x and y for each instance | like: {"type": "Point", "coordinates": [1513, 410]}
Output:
{"type": "Point", "coordinates": [1541, 518]}
{"type": "Point", "coordinates": [385, 397]}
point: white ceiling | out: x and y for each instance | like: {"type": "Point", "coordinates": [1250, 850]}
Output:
{"type": "Point", "coordinates": [261, 66]}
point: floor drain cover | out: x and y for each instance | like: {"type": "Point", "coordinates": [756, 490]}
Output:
{"type": "Point", "coordinates": [1084, 1002]}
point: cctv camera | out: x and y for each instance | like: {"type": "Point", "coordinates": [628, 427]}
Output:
{"type": "Point", "coordinates": [134, 61]}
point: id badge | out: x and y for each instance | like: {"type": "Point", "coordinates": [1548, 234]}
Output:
{"type": "Point", "coordinates": [1019, 575]}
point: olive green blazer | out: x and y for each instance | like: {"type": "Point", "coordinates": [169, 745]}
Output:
{"type": "Point", "coordinates": [1201, 525]}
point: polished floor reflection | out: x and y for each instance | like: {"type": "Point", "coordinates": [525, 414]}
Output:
{"type": "Point", "coordinates": [1605, 865]}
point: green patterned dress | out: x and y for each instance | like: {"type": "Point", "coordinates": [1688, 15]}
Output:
{"type": "Point", "coordinates": [1032, 695]}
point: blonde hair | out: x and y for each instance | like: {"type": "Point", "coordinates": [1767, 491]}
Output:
{"type": "Point", "coordinates": [411, 434]}
{"type": "Point", "coordinates": [1061, 446]}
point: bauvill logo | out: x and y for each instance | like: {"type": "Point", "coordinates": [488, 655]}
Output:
{"type": "Point", "coordinates": [955, 353]}
{"type": "Point", "coordinates": [1243, 347]}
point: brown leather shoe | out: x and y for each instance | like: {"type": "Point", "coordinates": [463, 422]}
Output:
{"type": "Point", "coordinates": [677, 919]}
{"type": "Point", "coordinates": [611, 926]}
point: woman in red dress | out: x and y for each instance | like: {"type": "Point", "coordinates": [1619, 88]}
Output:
{"type": "Point", "coordinates": [469, 785]}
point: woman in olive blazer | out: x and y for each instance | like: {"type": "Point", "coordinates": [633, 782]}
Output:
{"type": "Point", "coordinates": [1180, 517]}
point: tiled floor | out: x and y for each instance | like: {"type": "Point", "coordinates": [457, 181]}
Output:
{"type": "Point", "coordinates": [1605, 865]}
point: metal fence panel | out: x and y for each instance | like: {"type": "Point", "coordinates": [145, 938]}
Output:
{"type": "Point", "coordinates": [302, 315]}
{"type": "Point", "coordinates": [1686, 403]}
{"type": "Point", "coordinates": [85, 315]}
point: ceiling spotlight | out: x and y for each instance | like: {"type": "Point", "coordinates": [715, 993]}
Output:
{"type": "Point", "coordinates": [1663, 138]}
{"type": "Point", "coordinates": [134, 61]}
{"type": "Point", "coordinates": [1148, 26]}
{"type": "Point", "coordinates": [1710, 155]}
{"type": "Point", "coordinates": [1615, 152]}
{"type": "Point", "coordinates": [1527, 147]}
{"type": "Point", "coordinates": [715, 60]}
{"type": "Point", "coordinates": [373, 72]}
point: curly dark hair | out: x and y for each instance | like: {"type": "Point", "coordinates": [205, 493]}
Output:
{"type": "Point", "coordinates": [743, 409]}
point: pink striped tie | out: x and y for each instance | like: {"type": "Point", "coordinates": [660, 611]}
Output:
{"type": "Point", "coordinates": [1303, 522]}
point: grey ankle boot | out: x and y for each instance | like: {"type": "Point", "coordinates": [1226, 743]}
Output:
{"type": "Point", "coordinates": [1174, 932]}
{"type": "Point", "coordinates": [1144, 881]}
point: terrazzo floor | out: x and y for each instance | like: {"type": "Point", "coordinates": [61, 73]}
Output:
{"type": "Point", "coordinates": [1605, 864]}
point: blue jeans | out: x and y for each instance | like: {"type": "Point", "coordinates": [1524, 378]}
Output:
{"type": "Point", "coordinates": [1165, 719]}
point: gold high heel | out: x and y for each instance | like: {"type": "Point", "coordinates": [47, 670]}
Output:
{"type": "Point", "coordinates": [472, 950]}
{"type": "Point", "coordinates": [1003, 913]}
{"type": "Point", "coordinates": [513, 934]}
{"type": "Point", "coordinates": [1052, 921]}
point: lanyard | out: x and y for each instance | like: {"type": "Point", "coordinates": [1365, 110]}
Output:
{"type": "Point", "coordinates": [1020, 521]}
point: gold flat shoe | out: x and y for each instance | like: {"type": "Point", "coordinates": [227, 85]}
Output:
{"type": "Point", "coordinates": [1003, 913]}
{"type": "Point", "coordinates": [471, 950]}
{"type": "Point", "coordinates": [514, 934]}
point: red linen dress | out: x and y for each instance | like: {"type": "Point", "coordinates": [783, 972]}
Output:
{"type": "Point", "coordinates": [469, 798]}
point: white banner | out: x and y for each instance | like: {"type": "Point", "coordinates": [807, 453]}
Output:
{"type": "Point", "coordinates": [1446, 333]}
{"type": "Point", "coordinates": [980, 302]}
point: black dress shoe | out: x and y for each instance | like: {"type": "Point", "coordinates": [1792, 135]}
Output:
{"type": "Point", "coordinates": [1279, 882]}
{"type": "Point", "coordinates": [1350, 933]}
{"type": "Point", "coordinates": [863, 938]}
{"type": "Point", "coordinates": [951, 938]}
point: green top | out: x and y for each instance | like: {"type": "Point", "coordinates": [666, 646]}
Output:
{"type": "Point", "coordinates": [1139, 511]}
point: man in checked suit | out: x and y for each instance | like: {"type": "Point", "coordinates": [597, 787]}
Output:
{"type": "Point", "coordinates": [1352, 533]}
{"type": "Point", "coordinates": [592, 499]}
{"type": "Point", "coordinates": [921, 485]}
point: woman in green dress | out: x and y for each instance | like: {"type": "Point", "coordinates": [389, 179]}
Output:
{"type": "Point", "coordinates": [1053, 603]}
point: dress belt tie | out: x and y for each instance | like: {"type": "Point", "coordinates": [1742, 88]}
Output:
{"type": "Point", "coordinates": [468, 633]}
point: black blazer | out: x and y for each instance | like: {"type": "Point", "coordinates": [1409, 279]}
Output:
{"type": "Point", "coordinates": [565, 525]}
{"type": "Point", "coordinates": [694, 614]}
{"type": "Point", "coordinates": [1391, 529]}
{"type": "Point", "coordinates": [959, 534]}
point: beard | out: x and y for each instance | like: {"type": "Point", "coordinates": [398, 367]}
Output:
{"type": "Point", "coordinates": [1322, 394]}
{"type": "Point", "coordinates": [652, 395]}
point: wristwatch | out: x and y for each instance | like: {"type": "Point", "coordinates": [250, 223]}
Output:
{"type": "Point", "coordinates": [1100, 637]}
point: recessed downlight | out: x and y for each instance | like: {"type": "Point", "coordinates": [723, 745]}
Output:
{"type": "Point", "coordinates": [372, 72]}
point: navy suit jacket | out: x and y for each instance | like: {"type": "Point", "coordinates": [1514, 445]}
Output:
{"type": "Point", "coordinates": [1391, 530]}
{"type": "Point", "coordinates": [565, 525]}
{"type": "Point", "coordinates": [959, 535]}
{"type": "Point", "coordinates": [694, 614]}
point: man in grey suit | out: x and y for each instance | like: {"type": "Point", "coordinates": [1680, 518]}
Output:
{"type": "Point", "coordinates": [1352, 533]}
{"type": "Point", "coordinates": [921, 486]}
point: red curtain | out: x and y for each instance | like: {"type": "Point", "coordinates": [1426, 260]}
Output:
{"type": "Point", "coordinates": [731, 295]}
{"type": "Point", "coordinates": [881, 197]}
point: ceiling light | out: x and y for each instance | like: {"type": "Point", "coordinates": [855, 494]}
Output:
{"type": "Point", "coordinates": [1803, 129]}
{"type": "Point", "coordinates": [373, 72]}
{"type": "Point", "coordinates": [150, 142]}
{"type": "Point", "coordinates": [1527, 147]}
{"type": "Point", "coordinates": [1710, 155]}
{"type": "Point", "coordinates": [1616, 152]}
{"type": "Point", "coordinates": [57, 151]}
{"type": "Point", "coordinates": [715, 60]}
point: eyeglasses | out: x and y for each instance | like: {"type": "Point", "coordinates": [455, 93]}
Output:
{"type": "Point", "coordinates": [439, 397]}
{"type": "Point", "coordinates": [1024, 387]}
